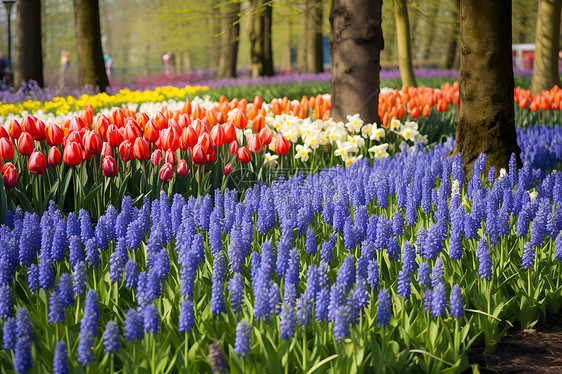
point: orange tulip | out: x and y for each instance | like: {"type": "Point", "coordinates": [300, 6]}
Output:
{"type": "Point", "coordinates": [118, 117]}
{"type": "Point", "coordinates": [282, 145]}
{"type": "Point", "coordinates": [140, 149]}
{"type": "Point", "coordinates": [169, 140]}
{"type": "Point", "coordinates": [218, 135]}
{"type": "Point", "coordinates": [244, 155]}
{"type": "Point", "coordinates": [229, 132]}
{"type": "Point", "coordinates": [54, 157]}
{"type": "Point", "coordinates": [142, 119]}
{"type": "Point", "coordinates": [240, 120]}
{"type": "Point", "coordinates": [151, 132]}
{"type": "Point", "coordinates": [37, 163]}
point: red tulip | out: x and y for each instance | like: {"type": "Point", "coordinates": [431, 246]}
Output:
{"type": "Point", "coordinates": [76, 124]}
{"type": "Point", "coordinates": [142, 119]}
{"type": "Point", "coordinates": [54, 157]}
{"type": "Point", "coordinates": [151, 132]}
{"type": "Point", "coordinates": [126, 151]}
{"type": "Point", "coordinates": [72, 154]}
{"type": "Point", "coordinates": [28, 124]}
{"type": "Point", "coordinates": [233, 148]}
{"type": "Point", "coordinates": [39, 133]}
{"type": "Point", "coordinates": [54, 133]}
{"type": "Point", "coordinates": [6, 149]}
{"type": "Point", "coordinates": [182, 169]}
{"type": "Point", "coordinates": [140, 149]}
{"type": "Point", "coordinates": [101, 125]}
{"type": "Point", "coordinates": [281, 145]}
{"type": "Point", "coordinates": [86, 155]}
{"type": "Point", "coordinates": [37, 163]}
{"type": "Point", "coordinates": [166, 172]}
{"type": "Point", "coordinates": [217, 134]}
{"type": "Point", "coordinates": [254, 143]}
{"type": "Point", "coordinates": [118, 117]}
{"type": "Point", "coordinates": [73, 136]}
{"type": "Point", "coordinates": [184, 121]}
{"type": "Point", "coordinates": [212, 156]}
{"type": "Point", "coordinates": [240, 120]}
{"type": "Point", "coordinates": [4, 133]}
{"type": "Point", "coordinates": [229, 132]}
{"type": "Point", "coordinates": [156, 157]}
{"type": "Point", "coordinates": [131, 130]}
{"type": "Point", "coordinates": [113, 136]}
{"type": "Point", "coordinates": [206, 142]}
{"type": "Point", "coordinates": [190, 136]}
{"type": "Point", "coordinates": [14, 129]}
{"type": "Point", "coordinates": [109, 167]}
{"type": "Point", "coordinates": [266, 135]}
{"type": "Point", "coordinates": [106, 150]}
{"type": "Point", "coordinates": [92, 142]}
{"type": "Point", "coordinates": [169, 139]}
{"type": "Point", "coordinates": [258, 102]}
{"type": "Point", "coordinates": [198, 155]}
{"type": "Point", "coordinates": [227, 169]}
{"type": "Point", "coordinates": [25, 144]}
{"type": "Point", "coordinates": [244, 155]}
{"type": "Point", "coordinates": [9, 175]}
{"type": "Point", "coordinates": [161, 121]}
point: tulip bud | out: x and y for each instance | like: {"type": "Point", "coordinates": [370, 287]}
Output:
{"type": "Point", "coordinates": [240, 120]}
{"type": "Point", "coordinates": [217, 134]}
{"type": "Point", "coordinates": [54, 156]}
{"type": "Point", "coordinates": [182, 169]}
{"type": "Point", "coordinates": [198, 155]}
{"type": "Point", "coordinates": [55, 135]}
{"type": "Point", "coordinates": [229, 132]}
{"type": "Point", "coordinates": [9, 175]}
{"type": "Point", "coordinates": [113, 136]}
{"type": "Point", "coordinates": [39, 132]}
{"type": "Point", "coordinates": [6, 149]}
{"type": "Point", "coordinates": [233, 148]}
{"type": "Point", "coordinates": [72, 154]}
{"type": "Point", "coordinates": [266, 135]}
{"type": "Point", "coordinates": [170, 157]}
{"type": "Point", "coordinates": [166, 172]}
{"type": "Point", "coordinates": [4, 133]}
{"type": "Point", "coordinates": [140, 149]}
{"type": "Point", "coordinates": [281, 145]}
{"type": "Point", "coordinates": [254, 143]}
{"type": "Point", "coordinates": [37, 163]}
{"type": "Point", "coordinates": [14, 129]}
{"type": "Point", "coordinates": [258, 102]}
{"type": "Point", "coordinates": [106, 150]}
{"type": "Point", "coordinates": [151, 132]}
{"type": "Point", "coordinates": [25, 144]}
{"type": "Point", "coordinates": [92, 143]}
{"type": "Point", "coordinates": [125, 151]}
{"type": "Point", "coordinates": [156, 157]}
{"type": "Point", "coordinates": [244, 155]}
{"type": "Point", "coordinates": [109, 167]}
{"type": "Point", "coordinates": [227, 169]}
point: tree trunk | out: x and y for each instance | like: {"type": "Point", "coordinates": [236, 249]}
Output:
{"type": "Point", "coordinates": [216, 42]}
{"type": "Point", "coordinates": [302, 43]}
{"type": "Point", "coordinates": [486, 115]}
{"type": "Point", "coordinates": [314, 37]}
{"type": "Point", "coordinates": [428, 32]}
{"type": "Point", "coordinates": [29, 58]}
{"type": "Point", "coordinates": [229, 40]}
{"type": "Point", "coordinates": [404, 43]}
{"type": "Point", "coordinates": [448, 58]}
{"type": "Point", "coordinates": [545, 70]}
{"type": "Point", "coordinates": [91, 67]}
{"type": "Point", "coordinates": [355, 44]}
{"type": "Point", "coordinates": [260, 38]}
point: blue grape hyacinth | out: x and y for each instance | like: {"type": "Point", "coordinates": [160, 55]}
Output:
{"type": "Point", "coordinates": [243, 338]}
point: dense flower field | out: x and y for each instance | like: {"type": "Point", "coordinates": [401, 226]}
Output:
{"type": "Point", "coordinates": [399, 265]}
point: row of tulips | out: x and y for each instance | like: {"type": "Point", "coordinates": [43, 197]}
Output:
{"type": "Point", "coordinates": [401, 265]}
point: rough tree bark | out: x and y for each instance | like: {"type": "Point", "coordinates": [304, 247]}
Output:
{"type": "Point", "coordinates": [229, 39]}
{"type": "Point", "coordinates": [545, 70]}
{"type": "Point", "coordinates": [91, 67]}
{"type": "Point", "coordinates": [314, 61]}
{"type": "Point", "coordinates": [355, 44]}
{"type": "Point", "coordinates": [486, 115]}
{"type": "Point", "coordinates": [260, 38]}
{"type": "Point", "coordinates": [404, 43]}
{"type": "Point", "coordinates": [28, 59]}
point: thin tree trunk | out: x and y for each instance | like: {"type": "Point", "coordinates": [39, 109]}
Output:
{"type": "Point", "coordinates": [545, 69]}
{"type": "Point", "coordinates": [486, 115]}
{"type": "Point", "coordinates": [404, 43]}
{"type": "Point", "coordinates": [428, 32]}
{"type": "Point", "coordinates": [28, 58]}
{"type": "Point", "coordinates": [91, 67]}
{"type": "Point", "coordinates": [314, 37]}
{"type": "Point", "coordinates": [229, 40]}
{"type": "Point", "coordinates": [216, 42]}
{"type": "Point", "coordinates": [355, 44]}
{"type": "Point", "coordinates": [447, 61]}
{"type": "Point", "coordinates": [260, 38]}
{"type": "Point", "coordinates": [286, 59]}
{"type": "Point", "coordinates": [302, 42]}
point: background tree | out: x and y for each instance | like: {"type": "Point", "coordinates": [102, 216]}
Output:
{"type": "Point", "coordinates": [314, 60]}
{"type": "Point", "coordinates": [486, 116]}
{"type": "Point", "coordinates": [230, 24]}
{"type": "Point", "coordinates": [449, 58]}
{"type": "Point", "coordinates": [355, 44]}
{"type": "Point", "coordinates": [404, 43]}
{"type": "Point", "coordinates": [260, 38]}
{"type": "Point", "coordinates": [545, 69]}
{"type": "Point", "coordinates": [29, 59]}
{"type": "Point", "coordinates": [91, 66]}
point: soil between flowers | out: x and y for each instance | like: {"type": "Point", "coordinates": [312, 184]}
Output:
{"type": "Point", "coordinates": [536, 350]}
